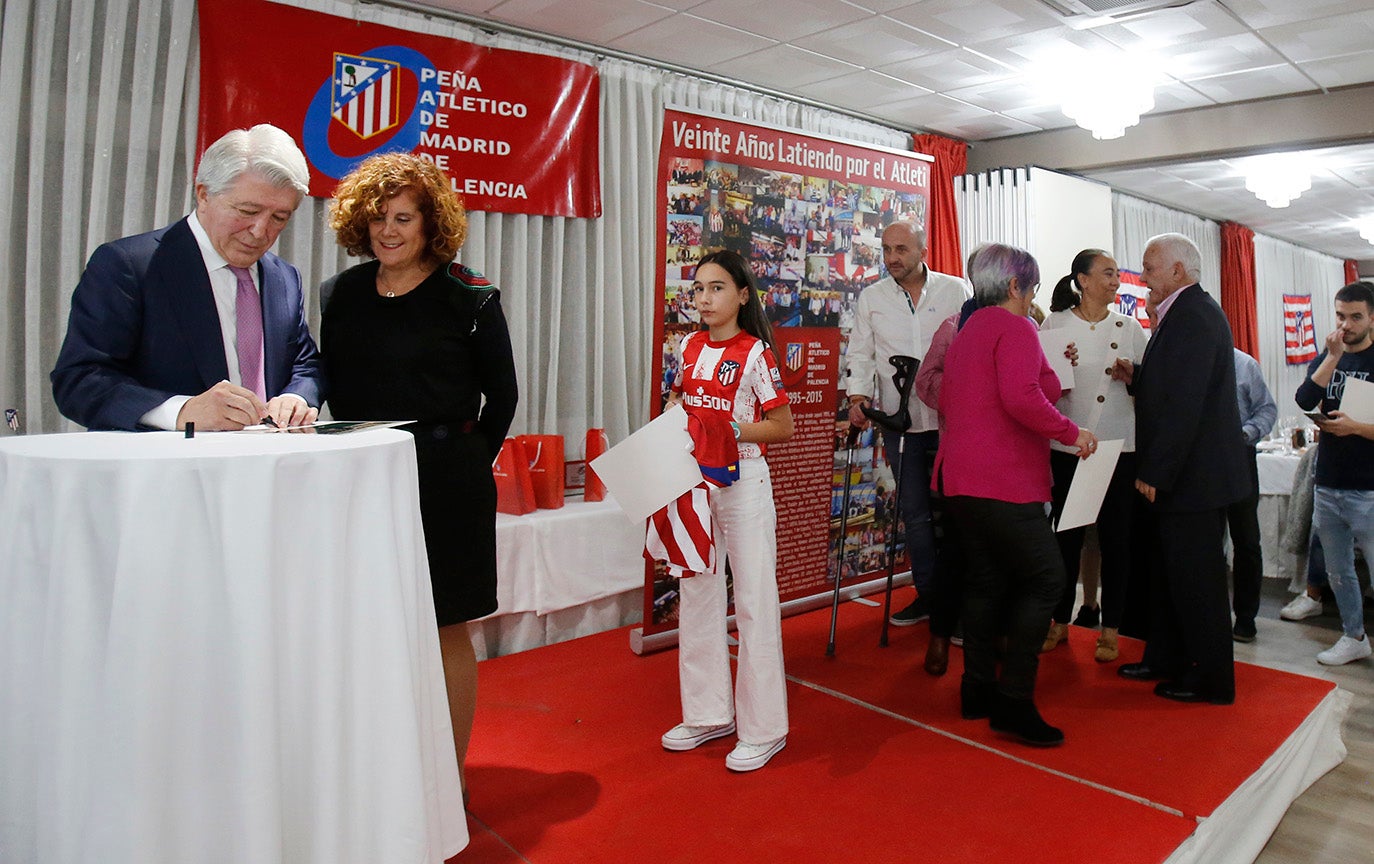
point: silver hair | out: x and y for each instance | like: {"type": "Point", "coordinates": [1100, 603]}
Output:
{"type": "Point", "coordinates": [1176, 247]}
{"type": "Point", "coordinates": [992, 268]}
{"type": "Point", "coordinates": [918, 230]}
{"type": "Point", "coordinates": [264, 150]}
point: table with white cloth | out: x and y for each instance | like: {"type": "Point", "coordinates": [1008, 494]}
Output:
{"type": "Point", "coordinates": [1276, 471]}
{"type": "Point", "coordinates": [562, 574]}
{"type": "Point", "coordinates": [220, 648]}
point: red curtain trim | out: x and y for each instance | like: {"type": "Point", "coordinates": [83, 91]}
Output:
{"type": "Point", "coordinates": [943, 254]}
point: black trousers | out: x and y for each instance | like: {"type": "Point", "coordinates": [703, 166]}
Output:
{"type": "Point", "coordinates": [1247, 564]}
{"type": "Point", "coordinates": [1012, 581]}
{"type": "Point", "coordinates": [948, 584]}
{"type": "Point", "coordinates": [1114, 527]}
{"type": "Point", "coordinates": [1190, 620]}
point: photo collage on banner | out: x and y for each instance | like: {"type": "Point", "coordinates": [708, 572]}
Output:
{"type": "Point", "coordinates": [808, 214]}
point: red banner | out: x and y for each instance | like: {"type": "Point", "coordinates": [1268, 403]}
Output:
{"type": "Point", "coordinates": [808, 213]}
{"type": "Point", "coordinates": [1299, 332]}
{"type": "Point", "coordinates": [516, 132]}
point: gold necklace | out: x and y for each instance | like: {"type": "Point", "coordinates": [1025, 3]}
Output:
{"type": "Point", "coordinates": [1092, 325]}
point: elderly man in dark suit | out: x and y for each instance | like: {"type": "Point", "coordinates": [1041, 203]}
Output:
{"type": "Point", "coordinates": [197, 322]}
{"type": "Point", "coordinates": [1191, 456]}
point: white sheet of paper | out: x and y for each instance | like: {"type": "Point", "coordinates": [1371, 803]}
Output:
{"type": "Point", "coordinates": [1089, 486]}
{"type": "Point", "coordinates": [1357, 400]}
{"type": "Point", "coordinates": [1054, 342]}
{"type": "Point", "coordinates": [652, 467]}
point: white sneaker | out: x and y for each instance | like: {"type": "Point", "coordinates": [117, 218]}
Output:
{"type": "Point", "coordinates": [1346, 650]}
{"type": "Point", "coordinates": [750, 757]}
{"type": "Point", "coordinates": [683, 737]}
{"type": "Point", "coordinates": [1300, 607]}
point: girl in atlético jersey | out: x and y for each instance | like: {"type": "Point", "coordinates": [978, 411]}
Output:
{"type": "Point", "coordinates": [728, 369]}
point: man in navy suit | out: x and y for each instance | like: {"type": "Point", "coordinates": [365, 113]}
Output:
{"type": "Point", "coordinates": [1191, 458]}
{"type": "Point", "coordinates": [197, 322]}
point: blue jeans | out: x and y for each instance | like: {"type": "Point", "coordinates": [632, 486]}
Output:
{"type": "Point", "coordinates": [1316, 562]}
{"type": "Point", "coordinates": [913, 500]}
{"type": "Point", "coordinates": [1342, 519]}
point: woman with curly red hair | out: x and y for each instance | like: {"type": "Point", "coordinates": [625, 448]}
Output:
{"type": "Point", "coordinates": [414, 335]}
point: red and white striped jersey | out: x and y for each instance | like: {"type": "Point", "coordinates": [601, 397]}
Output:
{"type": "Point", "coordinates": [737, 378]}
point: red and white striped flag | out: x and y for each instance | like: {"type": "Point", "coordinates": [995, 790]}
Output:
{"type": "Point", "coordinates": [680, 534]}
{"type": "Point", "coordinates": [1299, 334]}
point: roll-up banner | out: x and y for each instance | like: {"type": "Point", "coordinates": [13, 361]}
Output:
{"type": "Point", "coordinates": [808, 213]}
{"type": "Point", "coordinates": [516, 132]}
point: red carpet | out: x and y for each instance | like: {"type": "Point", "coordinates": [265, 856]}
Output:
{"type": "Point", "coordinates": [1118, 733]}
{"type": "Point", "coordinates": [565, 764]}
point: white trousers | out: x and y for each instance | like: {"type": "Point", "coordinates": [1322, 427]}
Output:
{"type": "Point", "coordinates": [745, 531]}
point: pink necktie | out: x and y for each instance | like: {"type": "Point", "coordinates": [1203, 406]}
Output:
{"type": "Point", "coordinates": [248, 310]}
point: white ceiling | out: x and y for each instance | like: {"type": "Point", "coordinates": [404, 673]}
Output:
{"type": "Point", "coordinates": [963, 68]}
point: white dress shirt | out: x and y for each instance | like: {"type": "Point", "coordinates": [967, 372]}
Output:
{"type": "Point", "coordinates": [886, 324]}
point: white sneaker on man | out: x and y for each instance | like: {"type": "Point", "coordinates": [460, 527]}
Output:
{"type": "Point", "coordinates": [683, 737]}
{"type": "Point", "coordinates": [1346, 650]}
{"type": "Point", "coordinates": [749, 757]}
{"type": "Point", "coordinates": [1302, 606]}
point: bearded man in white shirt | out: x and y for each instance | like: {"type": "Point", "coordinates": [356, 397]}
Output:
{"type": "Point", "coordinates": [898, 315]}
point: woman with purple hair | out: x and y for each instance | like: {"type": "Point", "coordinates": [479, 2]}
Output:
{"type": "Point", "coordinates": [993, 467]}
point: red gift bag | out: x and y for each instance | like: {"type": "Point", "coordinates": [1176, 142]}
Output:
{"type": "Point", "coordinates": [545, 455]}
{"type": "Point", "coordinates": [514, 487]}
{"type": "Point", "coordinates": [595, 490]}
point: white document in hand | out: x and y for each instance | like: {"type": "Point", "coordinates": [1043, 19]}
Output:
{"type": "Point", "coordinates": [651, 468]}
{"type": "Point", "coordinates": [1055, 343]}
{"type": "Point", "coordinates": [1357, 400]}
{"type": "Point", "coordinates": [1089, 486]}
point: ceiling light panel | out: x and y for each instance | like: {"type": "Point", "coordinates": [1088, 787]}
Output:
{"type": "Point", "coordinates": [690, 42]}
{"type": "Point", "coordinates": [874, 42]}
{"type": "Point", "coordinates": [783, 20]}
{"type": "Point", "coordinates": [1342, 71]}
{"type": "Point", "coordinates": [1254, 84]}
{"type": "Point", "coordinates": [866, 89]}
{"type": "Point", "coordinates": [598, 21]}
{"type": "Point", "coordinates": [966, 23]}
{"type": "Point", "coordinates": [954, 67]}
{"type": "Point", "coordinates": [1268, 13]}
{"type": "Point", "coordinates": [783, 67]}
{"type": "Point", "coordinates": [1323, 38]}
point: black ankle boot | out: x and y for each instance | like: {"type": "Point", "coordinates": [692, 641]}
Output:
{"type": "Point", "coordinates": [1019, 719]}
{"type": "Point", "coordinates": [976, 699]}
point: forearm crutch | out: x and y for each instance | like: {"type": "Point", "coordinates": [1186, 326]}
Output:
{"type": "Point", "coordinates": [903, 376]}
{"type": "Point", "coordinates": [850, 439]}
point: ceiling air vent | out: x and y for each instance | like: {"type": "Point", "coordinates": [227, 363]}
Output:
{"type": "Point", "coordinates": [1099, 11]}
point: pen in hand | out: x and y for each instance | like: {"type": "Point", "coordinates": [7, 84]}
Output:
{"type": "Point", "coordinates": [268, 421]}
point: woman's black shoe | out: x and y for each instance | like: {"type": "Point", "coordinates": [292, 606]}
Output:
{"type": "Point", "coordinates": [1019, 719]}
{"type": "Point", "coordinates": [1088, 616]}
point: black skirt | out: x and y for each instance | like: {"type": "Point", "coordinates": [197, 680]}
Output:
{"type": "Point", "coordinates": [458, 511]}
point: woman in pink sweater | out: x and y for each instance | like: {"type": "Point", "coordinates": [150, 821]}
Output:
{"type": "Point", "coordinates": [993, 467]}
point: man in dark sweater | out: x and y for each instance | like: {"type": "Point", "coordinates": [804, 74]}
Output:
{"type": "Point", "coordinates": [1343, 510]}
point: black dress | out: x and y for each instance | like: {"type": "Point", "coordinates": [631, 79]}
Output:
{"type": "Point", "coordinates": [433, 355]}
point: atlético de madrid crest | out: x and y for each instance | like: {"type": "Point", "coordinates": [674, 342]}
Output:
{"type": "Point", "coordinates": [366, 94]}
{"type": "Point", "coordinates": [727, 372]}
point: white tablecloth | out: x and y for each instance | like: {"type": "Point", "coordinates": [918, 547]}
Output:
{"type": "Point", "coordinates": [1276, 471]}
{"type": "Point", "coordinates": [556, 559]}
{"type": "Point", "coordinates": [219, 649]}
{"type": "Point", "coordinates": [562, 574]}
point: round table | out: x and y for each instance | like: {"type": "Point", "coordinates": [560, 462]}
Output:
{"type": "Point", "coordinates": [220, 648]}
